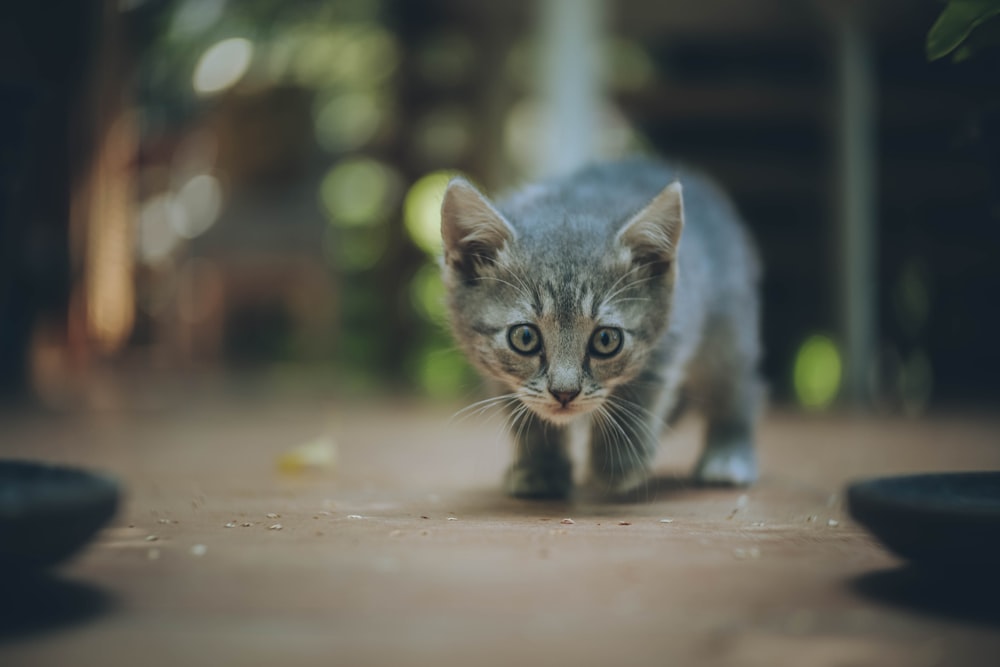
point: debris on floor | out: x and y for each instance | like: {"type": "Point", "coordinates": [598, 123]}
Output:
{"type": "Point", "coordinates": [753, 553]}
{"type": "Point", "coordinates": [317, 455]}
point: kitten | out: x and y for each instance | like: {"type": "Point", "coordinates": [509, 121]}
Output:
{"type": "Point", "coordinates": [601, 296]}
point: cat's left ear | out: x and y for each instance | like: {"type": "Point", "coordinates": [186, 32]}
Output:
{"type": "Point", "coordinates": [653, 234]}
{"type": "Point", "coordinates": [473, 230]}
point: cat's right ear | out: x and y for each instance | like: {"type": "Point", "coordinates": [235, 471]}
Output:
{"type": "Point", "coordinates": [474, 232]}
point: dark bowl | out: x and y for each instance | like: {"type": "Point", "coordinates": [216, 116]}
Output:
{"type": "Point", "coordinates": [944, 519]}
{"type": "Point", "coordinates": [48, 512]}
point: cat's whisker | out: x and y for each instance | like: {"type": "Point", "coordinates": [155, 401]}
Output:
{"type": "Point", "coordinates": [636, 411]}
{"type": "Point", "coordinates": [610, 297]}
{"type": "Point", "coordinates": [484, 402]}
{"type": "Point", "coordinates": [528, 292]}
{"type": "Point", "coordinates": [633, 444]}
{"type": "Point", "coordinates": [638, 419]}
{"type": "Point", "coordinates": [505, 410]}
{"type": "Point", "coordinates": [621, 443]}
{"type": "Point", "coordinates": [613, 438]}
{"type": "Point", "coordinates": [520, 290]}
{"type": "Point", "coordinates": [479, 407]}
{"type": "Point", "coordinates": [522, 421]}
{"type": "Point", "coordinates": [618, 281]}
{"type": "Point", "coordinates": [511, 419]}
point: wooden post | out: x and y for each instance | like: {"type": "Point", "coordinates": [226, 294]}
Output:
{"type": "Point", "coordinates": [857, 166]}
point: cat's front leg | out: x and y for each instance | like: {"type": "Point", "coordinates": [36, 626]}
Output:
{"type": "Point", "coordinates": [541, 468]}
{"type": "Point", "coordinates": [624, 436]}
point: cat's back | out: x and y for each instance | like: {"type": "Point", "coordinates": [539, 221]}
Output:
{"type": "Point", "coordinates": [588, 207]}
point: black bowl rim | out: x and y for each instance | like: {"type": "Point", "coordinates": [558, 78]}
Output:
{"type": "Point", "coordinates": [927, 529]}
{"type": "Point", "coordinates": [882, 491]}
{"type": "Point", "coordinates": [82, 486]}
{"type": "Point", "coordinates": [87, 500]}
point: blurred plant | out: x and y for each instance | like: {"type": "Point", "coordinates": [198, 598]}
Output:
{"type": "Point", "coordinates": [964, 28]}
{"type": "Point", "coordinates": [346, 58]}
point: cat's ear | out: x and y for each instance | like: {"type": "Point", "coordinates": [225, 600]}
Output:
{"type": "Point", "coordinates": [651, 236]}
{"type": "Point", "coordinates": [473, 230]}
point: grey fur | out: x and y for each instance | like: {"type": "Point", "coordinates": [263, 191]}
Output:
{"type": "Point", "coordinates": [600, 248]}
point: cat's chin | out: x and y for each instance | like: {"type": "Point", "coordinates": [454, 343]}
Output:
{"type": "Point", "coordinates": [560, 416]}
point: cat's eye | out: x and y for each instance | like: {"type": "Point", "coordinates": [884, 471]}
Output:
{"type": "Point", "coordinates": [524, 339]}
{"type": "Point", "coordinates": [606, 342]}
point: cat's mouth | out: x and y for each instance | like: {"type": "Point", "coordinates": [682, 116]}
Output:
{"type": "Point", "coordinates": [559, 414]}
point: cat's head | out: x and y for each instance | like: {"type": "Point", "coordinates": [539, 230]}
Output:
{"type": "Point", "coordinates": [560, 313]}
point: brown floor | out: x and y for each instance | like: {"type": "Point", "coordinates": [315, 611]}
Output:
{"type": "Point", "coordinates": [441, 569]}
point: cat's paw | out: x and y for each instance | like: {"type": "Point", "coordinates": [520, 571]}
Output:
{"type": "Point", "coordinates": [538, 483]}
{"type": "Point", "coordinates": [728, 466]}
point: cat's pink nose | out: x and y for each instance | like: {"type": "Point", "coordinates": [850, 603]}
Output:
{"type": "Point", "coordinates": [564, 397]}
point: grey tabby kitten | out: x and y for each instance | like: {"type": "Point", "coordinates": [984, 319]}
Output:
{"type": "Point", "coordinates": [582, 296]}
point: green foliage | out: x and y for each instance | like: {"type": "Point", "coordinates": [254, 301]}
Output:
{"type": "Point", "coordinates": [953, 31]}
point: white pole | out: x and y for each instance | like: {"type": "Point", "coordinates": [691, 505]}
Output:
{"type": "Point", "coordinates": [571, 49]}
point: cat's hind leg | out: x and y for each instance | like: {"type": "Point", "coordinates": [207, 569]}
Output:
{"type": "Point", "coordinates": [541, 468]}
{"type": "Point", "coordinates": [729, 456]}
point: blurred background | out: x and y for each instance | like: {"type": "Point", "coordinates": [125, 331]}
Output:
{"type": "Point", "coordinates": [233, 193]}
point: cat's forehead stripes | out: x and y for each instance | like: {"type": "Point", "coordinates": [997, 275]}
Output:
{"type": "Point", "coordinates": [569, 299]}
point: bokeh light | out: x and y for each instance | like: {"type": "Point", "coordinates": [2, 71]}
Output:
{"type": "Point", "coordinates": [368, 56]}
{"type": "Point", "coordinates": [422, 211]}
{"type": "Point", "coordinates": [359, 192]}
{"type": "Point", "coordinates": [355, 249]}
{"type": "Point", "coordinates": [911, 296]}
{"type": "Point", "coordinates": [617, 138]}
{"type": "Point", "coordinates": [817, 372]}
{"type": "Point", "coordinates": [444, 135]}
{"type": "Point", "coordinates": [159, 219]}
{"type": "Point", "coordinates": [222, 65]}
{"type": "Point", "coordinates": [522, 135]}
{"type": "Point", "coordinates": [520, 64]}
{"type": "Point", "coordinates": [201, 198]}
{"type": "Point", "coordinates": [915, 382]}
{"type": "Point", "coordinates": [427, 293]}
{"type": "Point", "coordinates": [360, 55]}
{"type": "Point", "coordinates": [348, 121]}
{"type": "Point", "coordinates": [446, 58]}
{"type": "Point", "coordinates": [195, 16]}
{"type": "Point", "coordinates": [630, 67]}
{"type": "Point", "coordinates": [443, 372]}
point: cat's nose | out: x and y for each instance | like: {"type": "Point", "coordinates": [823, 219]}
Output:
{"type": "Point", "coordinates": [564, 397]}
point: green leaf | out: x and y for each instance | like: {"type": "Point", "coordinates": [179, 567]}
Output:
{"type": "Point", "coordinates": [961, 54]}
{"type": "Point", "coordinates": [955, 24]}
{"type": "Point", "coordinates": [982, 39]}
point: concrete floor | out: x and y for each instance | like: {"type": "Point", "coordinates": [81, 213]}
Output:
{"type": "Point", "coordinates": [442, 569]}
